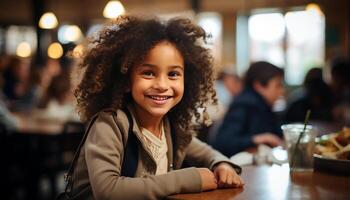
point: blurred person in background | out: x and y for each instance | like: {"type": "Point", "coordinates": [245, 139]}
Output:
{"type": "Point", "coordinates": [7, 121]}
{"type": "Point", "coordinates": [249, 120]}
{"type": "Point", "coordinates": [340, 85]}
{"type": "Point", "coordinates": [228, 85]}
{"type": "Point", "coordinates": [314, 95]}
{"type": "Point", "coordinates": [51, 69]}
{"type": "Point", "coordinates": [56, 103]}
{"type": "Point", "coordinates": [15, 75]}
{"type": "Point", "coordinates": [230, 82]}
{"type": "Point", "coordinates": [20, 79]}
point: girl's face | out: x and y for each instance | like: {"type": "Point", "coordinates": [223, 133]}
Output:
{"type": "Point", "coordinates": [157, 84]}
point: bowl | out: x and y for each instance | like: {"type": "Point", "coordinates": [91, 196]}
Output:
{"type": "Point", "coordinates": [330, 165]}
{"type": "Point", "coordinates": [333, 166]}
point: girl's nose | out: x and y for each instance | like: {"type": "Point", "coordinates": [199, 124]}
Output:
{"type": "Point", "coordinates": [161, 83]}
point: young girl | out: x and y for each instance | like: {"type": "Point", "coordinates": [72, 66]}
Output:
{"type": "Point", "coordinates": [161, 74]}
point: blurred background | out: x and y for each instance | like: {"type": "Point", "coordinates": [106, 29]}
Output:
{"type": "Point", "coordinates": [39, 126]}
{"type": "Point", "coordinates": [295, 34]}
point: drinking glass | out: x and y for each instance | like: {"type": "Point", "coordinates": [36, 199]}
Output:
{"type": "Point", "coordinates": [300, 157]}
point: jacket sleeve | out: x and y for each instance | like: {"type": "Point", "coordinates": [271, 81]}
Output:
{"type": "Point", "coordinates": [234, 135]}
{"type": "Point", "coordinates": [103, 154]}
{"type": "Point", "coordinates": [203, 155]}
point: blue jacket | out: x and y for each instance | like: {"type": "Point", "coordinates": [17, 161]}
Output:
{"type": "Point", "coordinates": [248, 115]}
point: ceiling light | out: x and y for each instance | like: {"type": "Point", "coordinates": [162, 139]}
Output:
{"type": "Point", "coordinates": [23, 50]}
{"type": "Point", "coordinates": [55, 50]}
{"type": "Point", "coordinates": [113, 9]}
{"type": "Point", "coordinates": [313, 8]}
{"type": "Point", "coordinates": [69, 33]}
{"type": "Point", "coordinates": [48, 21]}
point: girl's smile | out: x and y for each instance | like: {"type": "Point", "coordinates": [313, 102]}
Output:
{"type": "Point", "coordinates": [157, 83]}
{"type": "Point", "coordinates": [159, 99]}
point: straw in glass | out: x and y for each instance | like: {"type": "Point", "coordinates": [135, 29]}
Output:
{"type": "Point", "coordinates": [306, 121]}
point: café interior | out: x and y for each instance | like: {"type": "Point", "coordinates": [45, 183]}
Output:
{"type": "Point", "coordinates": [41, 42]}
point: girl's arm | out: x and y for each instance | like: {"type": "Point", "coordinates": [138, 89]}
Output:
{"type": "Point", "coordinates": [103, 154]}
{"type": "Point", "coordinates": [201, 154]}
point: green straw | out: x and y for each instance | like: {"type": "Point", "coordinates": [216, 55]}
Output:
{"type": "Point", "coordinates": [306, 121]}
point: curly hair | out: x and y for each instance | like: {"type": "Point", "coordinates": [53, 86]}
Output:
{"type": "Point", "coordinates": [124, 43]}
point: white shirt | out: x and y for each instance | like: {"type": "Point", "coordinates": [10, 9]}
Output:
{"type": "Point", "coordinates": [158, 149]}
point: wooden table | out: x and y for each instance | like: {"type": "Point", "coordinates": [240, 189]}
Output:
{"type": "Point", "coordinates": [275, 182]}
{"type": "Point", "coordinates": [30, 124]}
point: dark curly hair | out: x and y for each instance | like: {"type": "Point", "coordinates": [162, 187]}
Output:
{"type": "Point", "coordinates": [124, 43]}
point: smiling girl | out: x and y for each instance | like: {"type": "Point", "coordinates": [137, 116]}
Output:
{"type": "Point", "coordinates": [145, 79]}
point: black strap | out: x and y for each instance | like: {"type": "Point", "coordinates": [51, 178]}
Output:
{"type": "Point", "coordinates": [130, 161]}
{"type": "Point", "coordinates": [68, 175]}
{"type": "Point", "coordinates": [173, 140]}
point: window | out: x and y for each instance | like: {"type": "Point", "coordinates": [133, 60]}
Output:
{"type": "Point", "coordinates": [15, 35]}
{"type": "Point", "coordinates": [295, 41]}
{"type": "Point", "coordinates": [211, 22]}
{"type": "Point", "coordinates": [305, 42]}
{"type": "Point", "coordinates": [266, 34]}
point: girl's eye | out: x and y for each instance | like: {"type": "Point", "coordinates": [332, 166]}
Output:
{"type": "Point", "coordinates": [148, 73]}
{"type": "Point", "coordinates": [174, 74]}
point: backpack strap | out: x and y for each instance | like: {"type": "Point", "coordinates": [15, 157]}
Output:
{"type": "Point", "coordinates": [131, 149]}
{"type": "Point", "coordinates": [68, 175]}
{"type": "Point", "coordinates": [174, 143]}
{"type": "Point", "coordinates": [130, 161]}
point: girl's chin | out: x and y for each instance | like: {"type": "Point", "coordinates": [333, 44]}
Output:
{"type": "Point", "coordinates": [154, 111]}
{"type": "Point", "coordinates": [159, 113]}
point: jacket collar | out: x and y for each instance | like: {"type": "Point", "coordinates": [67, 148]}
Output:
{"type": "Point", "coordinates": [167, 131]}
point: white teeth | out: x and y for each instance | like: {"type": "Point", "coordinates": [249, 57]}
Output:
{"type": "Point", "coordinates": [159, 98]}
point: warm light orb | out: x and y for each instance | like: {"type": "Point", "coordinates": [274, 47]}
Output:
{"type": "Point", "coordinates": [69, 33]}
{"type": "Point", "coordinates": [48, 21]}
{"type": "Point", "coordinates": [314, 8]}
{"type": "Point", "coordinates": [113, 9]}
{"type": "Point", "coordinates": [55, 50]}
{"type": "Point", "coordinates": [78, 51]}
{"type": "Point", "coordinates": [23, 50]}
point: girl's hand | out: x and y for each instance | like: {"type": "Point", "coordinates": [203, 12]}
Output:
{"type": "Point", "coordinates": [227, 176]}
{"type": "Point", "coordinates": [208, 179]}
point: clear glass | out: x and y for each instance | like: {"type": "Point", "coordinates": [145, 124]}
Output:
{"type": "Point", "coordinates": [302, 160]}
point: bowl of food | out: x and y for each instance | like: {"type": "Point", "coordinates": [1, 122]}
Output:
{"type": "Point", "coordinates": [332, 152]}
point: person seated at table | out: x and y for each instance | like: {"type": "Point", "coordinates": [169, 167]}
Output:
{"type": "Point", "coordinates": [147, 77]}
{"type": "Point", "coordinates": [340, 85]}
{"type": "Point", "coordinates": [315, 95]}
{"type": "Point", "coordinates": [20, 79]}
{"type": "Point", "coordinates": [57, 101]}
{"type": "Point", "coordinates": [249, 120]}
{"type": "Point", "coordinates": [7, 121]}
{"type": "Point", "coordinates": [228, 85]}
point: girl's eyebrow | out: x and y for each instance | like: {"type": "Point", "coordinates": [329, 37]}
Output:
{"type": "Point", "coordinates": [171, 66]}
